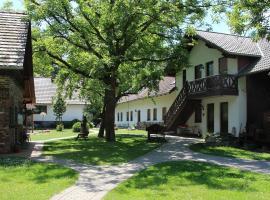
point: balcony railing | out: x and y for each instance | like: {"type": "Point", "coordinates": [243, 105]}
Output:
{"type": "Point", "coordinates": [213, 85]}
{"type": "Point", "coordinates": [209, 86]}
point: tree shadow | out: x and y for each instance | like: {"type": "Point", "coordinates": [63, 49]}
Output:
{"type": "Point", "coordinates": [96, 151]}
{"type": "Point", "coordinates": [190, 173]}
{"type": "Point", "coordinates": [37, 172]}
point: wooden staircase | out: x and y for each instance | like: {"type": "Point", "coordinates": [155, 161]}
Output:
{"type": "Point", "coordinates": [181, 109]}
{"type": "Point", "coordinates": [189, 97]}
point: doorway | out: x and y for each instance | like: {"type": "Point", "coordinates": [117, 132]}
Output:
{"type": "Point", "coordinates": [224, 117]}
{"type": "Point", "coordinates": [210, 118]}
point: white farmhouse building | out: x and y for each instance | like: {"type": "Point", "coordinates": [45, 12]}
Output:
{"type": "Point", "coordinates": [146, 107]}
{"type": "Point", "coordinates": [225, 88]}
{"type": "Point", "coordinates": [45, 90]}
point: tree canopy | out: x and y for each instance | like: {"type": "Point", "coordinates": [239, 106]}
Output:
{"type": "Point", "coordinates": [251, 16]}
{"type": "Point", "coordinates": [123, 45]}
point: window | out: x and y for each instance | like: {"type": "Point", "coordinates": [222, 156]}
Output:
{"type": "Point", "coordinates": [139, 116]}
{"type": "Point", "coordinates": [131, 115]}
{"type": "Point", "coordinates": [39, 109]}
{"type": "Point", "coordinates": [210, 68]}
{"type": "Point", "coordinates": [184, 77]}
{"type": "Point", "coordinates": [223, 65]}
{"type": "Point", "coordinates": [121, 116]}
{"type": "Point", "coordinates": [118, 117]}
{"type": "Point", "coordinates": [155, 114]}
{"type": "Point", "coordinates": [127, 116]}
{"type": "Point", "coordinates": [210, 117]}
{"type": "Point", "coordinates": [224, 116]}
{"type": "Point", "coordinates": [148, 114]}
{"type": "Point", "coordinates": [198, 114]}
{"type": "Point", "coordinates": [198, 71]}
{"type": "Point", "coordinates": [164, 112]}
{"type": "Point", "coordinates": [11, 116]}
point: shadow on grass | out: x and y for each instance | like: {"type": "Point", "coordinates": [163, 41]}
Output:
{"type": "Point", "coordinates": [96, 151]}
{"type": "Point", "coordinates": [231, 152]}
{"type": "Point", "coordinates": [34, 171]}
{"type": "Point", "coordinates": [192, 174]}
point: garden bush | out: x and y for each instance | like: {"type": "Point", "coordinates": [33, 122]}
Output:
{"type": "Point", "coordinates": [77, 126]}
{"type": "Point", "coordinates": [91, 125]}
{"type": "Point", "coordinates": [60, 127]}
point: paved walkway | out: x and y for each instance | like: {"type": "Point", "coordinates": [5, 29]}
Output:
{"type": "Point", "coordinates": [95, 181]}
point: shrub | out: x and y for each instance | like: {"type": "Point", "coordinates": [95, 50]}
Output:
{"type": "Point", "coordinates": [59, 127]}
{"type": "Point", "coordinates": [76, 127]}
{"type": "Point", "coordinates": [69, 124]}
{"type": "Point", "coordinates": [91, 125]}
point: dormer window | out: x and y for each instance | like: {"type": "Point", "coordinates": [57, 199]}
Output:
{"type": "Point", "coordinates": [223, 65]}
{"type": "Point", "coordinates": [210, 68]}
{"type": "Point", "coordinates": [198, 71]}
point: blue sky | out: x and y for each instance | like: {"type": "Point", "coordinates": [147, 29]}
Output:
{"type": "Point", "coordinates": [220, 27]}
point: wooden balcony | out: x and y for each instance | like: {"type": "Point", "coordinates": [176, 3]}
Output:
{"type": "Point", "coordinates": [190, 95]}
{"type": "Point", "coordinates": [213, 86]}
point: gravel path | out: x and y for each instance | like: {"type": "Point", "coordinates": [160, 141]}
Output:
{"type": "Point", "coordinates": [95, 181]}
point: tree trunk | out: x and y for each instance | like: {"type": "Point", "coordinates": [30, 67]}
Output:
{"type": "Point", "coordinates": [102, 123]}
{"type": "Point", "coordinates": [109, 111]}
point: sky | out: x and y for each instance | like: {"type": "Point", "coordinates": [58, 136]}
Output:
{"type": "Point", "coordinates": [220, 27]}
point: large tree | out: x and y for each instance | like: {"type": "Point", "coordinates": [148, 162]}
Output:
{"type": "Point", "coordinates": [252, 16]}
{"type": "Point", "coordinates": [124, 44]}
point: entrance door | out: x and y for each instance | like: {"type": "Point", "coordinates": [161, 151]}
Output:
{"type": "Point", "coordinates": [210, 118]}
{"type": "Point", "coordinates": [224, 117]}
{"type": "Point", "coordinates": [139, 116]}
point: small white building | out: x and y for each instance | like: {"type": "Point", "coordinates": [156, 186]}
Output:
{"type": "Point", "coordinates": [146, 107]}
{"type": "Point", "coordinates": [45, 90]}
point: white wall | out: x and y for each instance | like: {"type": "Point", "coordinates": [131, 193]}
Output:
{"type": "Point", "coordinates": [237, 111]}
{"type": "Point", "coordinates": [201, 54]}
{"type": "Point", "coordinates": [237, 106]}
{"type": "Point", "coordinates": [143, 105]}
{"type": "Point", "coordinates": [72, 112]}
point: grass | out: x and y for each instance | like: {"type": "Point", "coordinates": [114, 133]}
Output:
{"type": "Point", "coordinates": [52, 134]}
{"type": "Point", "coordinates": [231, 152]}
{"type": "Point", "coordinates": [126, 131]}
{"type": "Point", "coordinates": [21, 179]}
{"type": "Point", "coordinates": [96, 151]}
{"type": "Point", "coordinates": [185, 180]}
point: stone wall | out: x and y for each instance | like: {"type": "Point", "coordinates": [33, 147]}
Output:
{"type": "Point", "coordinates": [11, 97]}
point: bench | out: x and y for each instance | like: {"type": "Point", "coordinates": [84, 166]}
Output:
{"type": "Point", "coordinates": [82, 136]}
{"type": "Point", "coordinates": [155, 132]}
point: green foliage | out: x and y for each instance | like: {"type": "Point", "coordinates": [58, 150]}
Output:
{"type": "Point", "coordinates": [76, 127]}
{"type": "Point", "coordinates": [59, 127]}
{"type": "Point", "coordinates": [118, 47]}
{"type": "Point", "coordinates": [59, 107]}
{"type": "Point", "coordinates": [250, 16]}
{"type": "Point", "coordinates": [102, 40]}
{"type": "Point", "coordinates": [91, 125]}
{"type": "Point", "coordinates": [7, 5]}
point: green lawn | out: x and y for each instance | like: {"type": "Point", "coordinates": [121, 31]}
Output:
{"type": "Point", "coordinates": [186, 180]}
{"type": "Point", "coordinates": [99, 152]}
{"type": "Point", "coordinates": [126, 131]}
{"type": "Point", "coordinates": [22, 179]}
{"type": "Point", "coordinates": [229, 152]}
{"type": "Point", "coordinates": [52, 134]}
